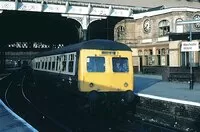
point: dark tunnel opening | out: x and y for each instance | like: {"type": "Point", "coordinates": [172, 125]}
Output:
{"type": "Point", "coordinates": [50, 28]}
{"type": "Point", "coordinates": [37, 27]}
{"type": "Point", "coordinates": [103, 29]}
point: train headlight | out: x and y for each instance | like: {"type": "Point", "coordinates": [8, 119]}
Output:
{"type": "Point", "coordinates": [91, 85]}
{"type": "Point", "coordinates": [125, 84]}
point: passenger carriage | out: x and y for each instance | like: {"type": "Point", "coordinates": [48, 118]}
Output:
{"type": "Point", "coordinates": [94, 69]}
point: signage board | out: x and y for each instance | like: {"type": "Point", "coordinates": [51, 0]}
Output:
{"type": "Point", "coordinates": [190, 46]}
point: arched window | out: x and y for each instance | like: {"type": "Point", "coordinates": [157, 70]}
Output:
{"type": "Point", "coordinates": [140, 53]}
{"type": "Point", "coordinates": [166, 51]}
{"type": "Point", "coordinates": [150, 52]}
{"type": "Point", "coordinates": [164, 27]}
{"type": "Point", "coordinates": [163, 51]}
{"type": "Point", "coordinates": [120, 32]}
{"type": "Point", "coordinates": [179, 28]}
{"type": "Point", "coordinates": [146, 52]}
{"type": "Point", "coordinates": [157, 51]}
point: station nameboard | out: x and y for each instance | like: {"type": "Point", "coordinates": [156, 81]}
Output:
{"type": "Point", "coordinates": [190, 46]}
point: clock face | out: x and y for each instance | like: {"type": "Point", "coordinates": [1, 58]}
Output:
{"type": "Point", "coordinates": [197, 25]}
{"type": "Point", "coordinates": [147, 26]}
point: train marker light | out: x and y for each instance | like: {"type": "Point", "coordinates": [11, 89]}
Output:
{"type": "Point", "coordinates": [125, 84]}
{"type": "Point", "coordinates": [91, 85]}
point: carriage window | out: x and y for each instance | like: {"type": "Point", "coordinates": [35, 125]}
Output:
{"type": "Point", "coordinates": [64, 63]}
{"type": "Point", "coordinates": [71, 63]}
{"type": "Point", "coordinates": [49, 67]}
{"type": "Point", "coordinates": [70, 66]}
{"type": "Point", "coordinates": [57, 63]}
{"type": "Point", "coordinates": [53, 65]}
{"type": "Point", "coordinates": [95, 64]}
{"type": "Point", "coordinates": [43, 65]}
{"type": "Point", "coordinates": [120, 64]}
{"type": "Point", "coordinates": [38, 65]}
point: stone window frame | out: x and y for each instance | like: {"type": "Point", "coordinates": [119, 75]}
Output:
{"type": "Point", "coordinates": [140, 52]}
{"type": "Point", "coordinates": [179, 26]}
{"type": "Point", "coordinates": [163, 28]}
{"type": "Point", "coordinates": [158, 51]}
{"type": "Point", "coordinates": [120, 32]}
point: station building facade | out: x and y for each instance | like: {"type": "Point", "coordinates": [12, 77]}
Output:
{"type": "Point", "coordinates": [149, 36]}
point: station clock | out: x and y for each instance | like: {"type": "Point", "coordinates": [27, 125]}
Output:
{"type": "Point", "coordinates": [147, 26]}
{"type": "Point", "coordinates": [197, 25]}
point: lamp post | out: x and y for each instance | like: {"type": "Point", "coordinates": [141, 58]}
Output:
{"type": "Point", "coordinates": [189, 23]}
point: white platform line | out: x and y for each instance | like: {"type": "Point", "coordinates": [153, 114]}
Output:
{"type": "Point", "coordinates": [169, 99]}
{"type": "Point", "coordinates": [19, 118]}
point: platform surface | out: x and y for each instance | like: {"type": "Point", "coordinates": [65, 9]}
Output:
{"type": "Point", "coordinates": [152, 86]}
{"type": "Point", "coordinates": [11, 122]}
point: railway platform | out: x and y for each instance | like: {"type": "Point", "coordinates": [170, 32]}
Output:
{"type": "Point", "coordinates": [168, 103]}
{"type": "Point", "coordinates": [10, 122]}
{"type": "Point", "coordinates": [152, 86]}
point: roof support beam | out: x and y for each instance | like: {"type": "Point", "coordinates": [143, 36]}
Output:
{"type": "Point", "coordinates": [42, 4]}
{"type": "Point", "coordinates": [66, 6]}
{"type": "Point", "coordinates": [70, 7]}
{"type": "Point", "coordinates": [129, 12]}
{"type": "Point", "coordinates": [16, 4]}
{"type": "Point", "coordinates": [89, 8]}
{"type": "Point", "coordinates": [109, 11]}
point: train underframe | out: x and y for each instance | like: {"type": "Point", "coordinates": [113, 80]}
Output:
{"type": "Point", "coordinates": [107, 103]}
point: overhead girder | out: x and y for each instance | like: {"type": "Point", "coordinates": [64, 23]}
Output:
{"type": "Point", "coordinates": [68, 7]}
{"type": "Point", "coordinates": [84, 13]}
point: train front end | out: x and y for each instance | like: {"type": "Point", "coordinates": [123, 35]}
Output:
{"type": "Point", "coordinates": [106, 75]}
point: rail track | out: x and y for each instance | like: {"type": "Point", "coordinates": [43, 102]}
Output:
{"type": "Point", "coordinates": [16, 99]}
{"type": "Point", "coordinates": [50, 112]}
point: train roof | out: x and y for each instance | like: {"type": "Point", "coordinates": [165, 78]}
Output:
{"type": "Point", "coordinates": [100, 44]}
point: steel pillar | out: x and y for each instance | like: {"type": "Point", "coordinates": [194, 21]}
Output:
{"type": "Point", "coordinates": [191, 60]}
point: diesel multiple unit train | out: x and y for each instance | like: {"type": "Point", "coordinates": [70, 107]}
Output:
{"type": "Point", "coordinates": [94, 69]}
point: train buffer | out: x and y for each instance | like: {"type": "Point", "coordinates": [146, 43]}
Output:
{"type": "Point", "coordinates": [10, 122]}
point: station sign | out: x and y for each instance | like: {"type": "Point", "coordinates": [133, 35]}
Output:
{"type": "Point", "coordinates": [190, 46]}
